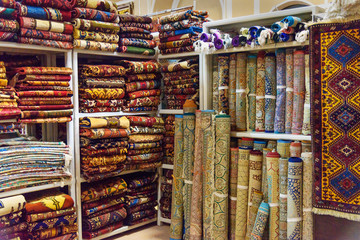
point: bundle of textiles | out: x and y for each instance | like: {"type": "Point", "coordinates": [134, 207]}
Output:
{"type": "Point", "coordinates": [103, 207]}
{"type": "Point", "coordinates": [12, 223]}
{"type": "Point", "coordinates": [104, 143]}
{"type": "Point", "coordinates": [141, 197]}
{"type": "Point", "coordinates": [145, 143]}
{"type": "Point", "coordinates": [288, 29]}
{"type": "Point", "coordinates": [279, 90]}
{"type": "Point", "coordinates": [101, 88]}
{"type": "Point", "coordinates": [142, 85]}
{"type": "Point", "coordinates": [135, 35]}
{"type": "Point", "coordinates": [46, 23]}
{"type": "Point", "coordinates": [166, 191]}
{"type": "Point", "coordinates": [96, 25]}
{"type": "Point", "coordinates": [178, 32]}
{"type": "Point", "coordinates": [11, 62]}
{"type": "Point", "coordinates": [9, 25]}
{"type": "Point", "coordinates": [8, 99]}
{"type": "Point", "coordinates": [44, 94]}
{"type": "Point", "coordinates": [169, 140]}
{"type": "Point", "coordinates": [50, 215]}
{"type": "Point", "coordinates": [181, 80]}
{"type": "Point", "coordinates": [30, 163]}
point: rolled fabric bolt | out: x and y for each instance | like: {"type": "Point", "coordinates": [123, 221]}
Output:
{"type": "Point", "coordinates": [295, 149]}
{"type": "Point", "coordinates": [244, 31]}
{"type": "Point", "coordinates": [266, 37]}
{"type": "Point", "coordinates": [291, 21]}
{"type": "Point", "coordinates": [236, 41]}
{"type": "Point", "coordinates": [272, 165]}
{"type": "Point", "coordinates": [289, 30]}
{"type": "Point", "coordinates": [286, 37]}
{"type": "Point", "coordinates": [276, 38]}
{"type": "Point", "coordinates": [302, 36]}
{"type": "Point", "coordinates": [253, 30]}
{"type": "Point", "coordinates": [219, 43]}
{"type": "Point", "coordinates": [258, 32]}
{"type": "Point", "coordinates": [205, 37]}
{"type": "Point", "coordinates": [300, 27]}
{"type": "Point", "coordinates": [249, 41]}
{"type": "Point", "coordinates": [260, 221]}
{"type": "Point", "coordinates": [227, 42]}
{"type": "Point", "coordinates": [242, 40]}
{"type": "Point", "coordinates": [277, 26]}
{"type": "Point", "coordinates": [216, 35]}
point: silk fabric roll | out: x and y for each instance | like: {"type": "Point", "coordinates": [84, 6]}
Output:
{"type": "Point", "coordinates": [270, 91]}
{"type": "Point", "coordinates": [279, 124]}
{"type": "Point", "coordinates": [177, 209]}
{"type": "Point", "coordinates": [272, 163]}
{"type": "Point", "coordinates": [242, 193]}
{"type": "Point", "coordinates": [240, 109]}
{"type": "Point", "coordinates": [294, 204]}
{"type": "Point", "coordinates": [251, 81]}
{"type": "Point", "coordinates": [289, 89]}
{"type": "Point", "coordinates": [221, 180]}
{"type": "Point", "coordinates": [260, 93]}
{"type": "Point", "coordinates": [299, 92]}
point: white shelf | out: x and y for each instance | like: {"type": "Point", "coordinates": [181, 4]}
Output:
{"type": "Point", "coordinates": [120, 174]}
{"type": "Point", "coordinates": [123, 229]}
{"type": "Point", "coordinates": [178, 55]}
{"type": "Point", "coordinates": [248, 48]}
{"type": "Point", "coordinates": [34, 189]}
{"type": "Point", "coordinates": [113, 54]}
{"type": "Point", "coordinates": [171, 111]}
{"type": "Point", "coordinates": [276, 136]}
{"type": "Point", "coordinates": [165, 220]}
{"type": "Point", "coordinates": [113, 114]}
{"type": "Point", "coordinates": [29, 48]}
{"type": "Point", "coordinates": [167, 166]}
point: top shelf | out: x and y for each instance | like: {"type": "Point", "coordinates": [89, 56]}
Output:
{"type": "Point", "coordinates": [178, 55]}
{"type": "Point", "coordinates": [259, 48]}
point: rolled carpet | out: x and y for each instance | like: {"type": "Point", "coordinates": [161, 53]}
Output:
{"type": "Point", "coordinates": [137, 50]}
{"type": "Point", "coordinates": [97, 46]}
{"type": "Point", "coordinates": [96, 36]}
{"type": "Point", "coordinates": [47, 43]}
{"type": "Point", "coordinates": [45, 25]}
{"type": "Point", "coordinates": [44, 13]}
{"type": "Point", "coordinates": [33, 33]}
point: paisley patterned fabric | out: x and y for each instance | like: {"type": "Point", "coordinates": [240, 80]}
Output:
{"type": "Point", "coordinates": [133, 18]}
{"type": "Point", "coordinates": [96, 46]}
{"type": "Point", "coordinates": [102, 70]}
{"type": "Point", "coordinates": [136, 35]}
{"type": "Point", "coordinates": [143, 43]}
{"type": "Point", "coordinates": [102, 93]}
{"type": "Point", "coordinates": [97, 26]}
{"type": "Point", "coordinates": [32, 33]}
{"type": "Point", "coordinates": [44, 13]}
{"type": "Point", "coordinates": [104, 5]}
{"type": "Point", "coordinates": [57, 4]}
{"type": "Point", "coordinates": [96, 36]}
{"type": "Point", "coordinates": [137, 50]}
{"type": "Point", "coordinates": [189, 14]}
{"type": "Point", "coordinates": [93, 14]}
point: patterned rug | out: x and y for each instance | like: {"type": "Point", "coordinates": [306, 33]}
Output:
{"type": "Point", "coordinates": [335, 89]}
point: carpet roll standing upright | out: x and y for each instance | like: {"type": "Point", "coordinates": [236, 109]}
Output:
{"type": "Point", "coordinates": [279, 124]}
{"type": "Point", "coordinates": [289, 89]}
{"type": "Point", "coordinates": [177, 209]}
{"type": "Point", "coordinates": [240, 109]}
{"type": "Point", "coordinates": [283, 182]}
{"type": "Point", "coordinates": [260, 221]}
{"type": "Point", "coordinates": [221, 173]}
{"type": "Point", "coordinates": [233, 177]}
{"type": "Point", "coordinates": [232, 90]}
{"type": "Point", "coordinates": [223, 68]}
{"type": "Point", "coordinates": [270, 91]}
{"type": "Point", "coordinates": [215, 83]}
{"type": "Point", "coordinates": [306, 128]}
{"type": "Point", "coordinates": [308, 167]}
{"type": "Point", "coordinates": [260, 92]}
{"type": "Point", "coordinates": [299, 92]}
{"type": "Point", "coordinates": [251, 69]}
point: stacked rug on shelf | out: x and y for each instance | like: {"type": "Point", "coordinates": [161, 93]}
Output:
{"type": "Point", "coordinates": [9, 25]}
{"type": "Point", "coordinates": [103, 146]}
{"type": "Point", "coordinates": [51, 215]}
{"type": "Point", "coordinates": [141, 197]}
{"type": "Point", "coordinates": [279, 90]}
{"type": "Point", "coordinates": [166, 191]}
{"type": "Point", "coordinates": [96, 25]}
{"type": "Point", "coordinates": [12, 224]}
{"type": "Point", "coordinates": [169, 140]}
{"type": "Point", "coordinates": [145, 143]}
{"type": "Point", "coordinates": [46, 23]}
{"type": "Point", "coordinates": [44, 94]}
{"type": "Point", "coordinates": [181, 80]}
{"type": "Point", "coordinates": [103, 207]}
{"type": "Point", "coordinates": [8, 99]}
{"type": "Point", "coordinates": [31, 163]}
{"type": "Point", "coordinates": [101, 88]}
{"type": "Point", "coordinates": [142, 86]}
{"type": "Point", "coordinates": [135, 35]}
{"type": "Point", "coordinates": [178, 32]}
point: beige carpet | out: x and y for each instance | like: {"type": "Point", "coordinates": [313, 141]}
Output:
{"type": "Point", "coordinates": [148, 232]}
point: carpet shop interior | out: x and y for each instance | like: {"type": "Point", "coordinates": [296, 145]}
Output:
{"type": "Point", "coordinates": [179, 120]}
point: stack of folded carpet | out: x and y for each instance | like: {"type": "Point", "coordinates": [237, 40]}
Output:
{"type": "Point", "coordinates": [178, 32]}
{"type": "Point", "coordinates": [51, 215]}
{"type": "Point", "coordinates": [135, 35]}
{"type": "Point", "coordinates": [141, 197]}
{"type": "Point", "coordinates": [8, 105]}
{"type": "Point", "coordinates": [143, 83]}
{"type": "Point", "coordinates": [169, 139]}
{"type": "Point", "coordinates": [96, 25]}
{"type": "Point", "coordinates": [103, 146]}
{"type": "Point", "coordinates": [145, 141]}
{"type": "Point", "coordinates": [44, 94]}
{"type": "Point", "coordinates": [166, 191]}
{"type": "Point", "coordinates": [46, 23]}
{"type": "Point", "coordinates": [30, 163]}
{"type": "Point", "coordinates": [181, 80]}
{"type": "Point", "coordinates": [8, 24]}
{"type": "Point", "coordinates": [12, 224]}
{"type": "Point", "coordinates": [101, 88]}
{"type": "Point", "coordinates": [103, 207]}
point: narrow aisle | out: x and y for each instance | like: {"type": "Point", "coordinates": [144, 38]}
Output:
{"type": "Point", "coordinates": [147, 232]}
